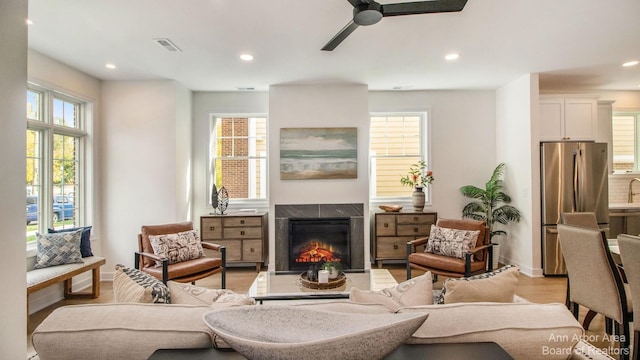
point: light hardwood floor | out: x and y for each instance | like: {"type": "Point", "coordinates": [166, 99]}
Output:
{"type": "Point", "coordinates": [538, 290]}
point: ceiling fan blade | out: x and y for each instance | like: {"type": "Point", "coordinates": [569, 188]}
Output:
{"type": "Point", "coordinates": [340, 36]}
{"type": "Point", "coordinates": [423, 7]}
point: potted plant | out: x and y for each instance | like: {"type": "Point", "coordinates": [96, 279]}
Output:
{"type": "Point", "coordinates": [490, 205]}
{"type": "Point", "coordinates": [418, 177]}
{"type": "Point", "coordinates": [334, 268]}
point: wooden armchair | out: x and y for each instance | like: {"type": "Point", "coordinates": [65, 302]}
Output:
{"type": "Point", "coordinates": [185, 271]}
{"type": "Point", "coordinates": [482, 254]}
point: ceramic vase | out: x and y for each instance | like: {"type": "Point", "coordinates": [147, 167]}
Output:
{"type": "Point", "coordinates": [418, 199]}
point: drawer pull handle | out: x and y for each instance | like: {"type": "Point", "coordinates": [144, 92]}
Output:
{"type": "Point", "coordinates": [242, 232]}
{"type": "Point", "coordinates": [386, 225]}
{"type": "Point", "coordinates": [251, 250]}
{"type": "Point", "coordinates": [415, 230]}
{"type": "Point", "coordinates": [395, 246]}
{"type": "Point", "coordinates": [242, 222]}
{"type": "Point", "coordinates": [415, 218]}
{"type": "Point", "coordinates": [212, 228]}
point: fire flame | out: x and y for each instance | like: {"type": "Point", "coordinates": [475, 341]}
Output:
{"type": "Point", "coordinates": [316, 252]}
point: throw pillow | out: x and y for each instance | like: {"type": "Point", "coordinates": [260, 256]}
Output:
{"type": "Point", "coordinates": [182, 293]}
{"type": "Point", "coordinates": [413, 292]}
{"type": "Point", "coordinates": [132, 285]}
{"type": "Point", "coordinates": [451, 242]}
{"type": "Point", "coordinates": [85, 239]}
{"type": "Point", "coordinates": [177, 247]}
{"type": "Point", "coordinates": [495, 286]}
{"type": "Point", "coordinates": [58, 249]}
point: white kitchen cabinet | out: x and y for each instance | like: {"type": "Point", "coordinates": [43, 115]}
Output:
{"type": "Point", "coordinates": [568, 118]}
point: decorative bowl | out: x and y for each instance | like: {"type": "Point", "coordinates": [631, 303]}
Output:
{"type": "Point", "coordinates": [391, 208]}
{"type": "Point", "coordinates": [290, 332]}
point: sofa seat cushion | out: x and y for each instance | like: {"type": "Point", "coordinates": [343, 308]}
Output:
{"type": "Point", "coordinates": [186, 268]}
{"type": "Point", "coordinates": [120, 331]}
{"type": "Point", "coordinates": [524, 330]}
{"type": "Point", "coordinates": [430, 260]}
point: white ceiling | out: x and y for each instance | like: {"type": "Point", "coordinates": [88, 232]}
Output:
{"type": "Point", "coordinates": [579, 44]}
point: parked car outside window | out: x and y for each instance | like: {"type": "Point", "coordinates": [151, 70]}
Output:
{"type": "Point", "coordinates": [62, 208]}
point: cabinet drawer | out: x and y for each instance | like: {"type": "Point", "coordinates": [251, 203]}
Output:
{"type": "Point", "coordinates": [234, 250]}
{"type": "Point", "coordinates": [211, 228]}
{"type": "Point", "coordinates": [242, 221]}
{"type": "Point", "coordinates": [414, 230]}
{"type": "Point", "coordinates": [392, 247]}
{"type": "Point", "coordinates": [385, 225]}
{"type": "Point", "coordinates": [252, 250]}
{"type": "Point", "coordinates": [242, 232]}
{"type": "Point", "coordinates": [416, 219]}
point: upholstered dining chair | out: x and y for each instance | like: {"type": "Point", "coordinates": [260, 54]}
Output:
{"type": "Point", "coordinates": [595, 282]}
{"type": "Point", "coordinates": [476, 261]}
{"type": "Point", "coordinates": [183, 271]}
{"type": "Point", "coordinates": [630, 254]}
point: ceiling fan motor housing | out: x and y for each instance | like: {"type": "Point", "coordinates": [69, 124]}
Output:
{"type": "Point", "coordinates": [367, 14]}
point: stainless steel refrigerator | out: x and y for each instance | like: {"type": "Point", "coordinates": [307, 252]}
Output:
{"type": "Point", "coordinates": [574, 178]}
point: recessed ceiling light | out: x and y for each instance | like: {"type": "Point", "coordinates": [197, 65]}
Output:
{"type": "Point", "coordinates": [631, 63]}
{"type": "Point", "coordinates": [246, 57]}
{"type": "Point", "coordinates": [29, 22]}
{"type": "Point", "coordinates": [451, 57]}
{"type": "Point", "coordinates": [110, 66]}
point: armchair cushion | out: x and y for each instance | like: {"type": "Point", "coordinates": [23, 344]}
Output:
{"type": "Point", "coordinates": [451, 242]}
{"type": "Point", "coordinates": [495, 286]}
{"type": "Point", "coordinates": [177, 247]}
{"type": "Point", "coordinates": [413, 292]}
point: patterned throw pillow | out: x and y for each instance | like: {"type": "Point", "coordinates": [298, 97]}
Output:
{"type": "Point", "coordinates": [494, 286]}
{"type": "Point", "coordinates": [182, 293]}
{"type": "Point", "coordinates": [451, 242]}
{"type": "Point", "coordinates": [133, 285]}
{"type": "Point", "coordinates": [58, 249]}
{"type": "Point", "coordinates": [177, 247]}
{"type": "Point", "coordinates": [413, 292]}
{"type": "Point", "coordinates": [85, 240]}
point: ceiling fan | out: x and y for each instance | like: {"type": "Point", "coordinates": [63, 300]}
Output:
{"type": "Point", "coordinates": [369, 12]}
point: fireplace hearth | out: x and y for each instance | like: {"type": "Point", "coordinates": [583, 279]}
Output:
{"type": "Point", "coordinates": [319, 240]}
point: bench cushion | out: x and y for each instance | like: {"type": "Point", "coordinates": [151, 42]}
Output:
{"type": "Point", "coordinates": [37, 276]}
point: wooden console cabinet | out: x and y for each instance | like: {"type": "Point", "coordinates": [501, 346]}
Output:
{"type": "Point", "coordinates": [392, 231]}
{"type": "Point", "coordinates": [244, 235]}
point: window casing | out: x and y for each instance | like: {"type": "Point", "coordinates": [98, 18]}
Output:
{"type": "Point", "coordinates": [397, 140]}
{"type": "Point", "coordinates": [55, 161]}
{"type": "Point", "coordinates": [238, 156]}
{"type": "Point", "coordinates": [626, 141]}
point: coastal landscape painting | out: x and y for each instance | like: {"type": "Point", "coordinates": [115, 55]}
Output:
{"type": "Point", "coordinates": [318, 153]}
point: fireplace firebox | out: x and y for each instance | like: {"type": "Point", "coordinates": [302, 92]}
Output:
{"type": "Point", "coordinates": [312, 240]}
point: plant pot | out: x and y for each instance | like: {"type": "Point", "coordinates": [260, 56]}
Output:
{"type": "Point", "coordinates": [417, 199]}
{"type": "Point", "coordinates": [333, 272]}
{"type": "Point", "coordinates": [496, 255]}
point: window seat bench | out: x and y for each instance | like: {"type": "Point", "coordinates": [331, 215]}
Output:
{"type": "Point", "coordinates": [38, 279]}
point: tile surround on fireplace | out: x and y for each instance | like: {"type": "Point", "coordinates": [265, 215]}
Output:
{"type": "Point", "coordinates": [355, 212]}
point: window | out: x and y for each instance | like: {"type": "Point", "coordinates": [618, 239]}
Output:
{"type": "Point", "coordinates": [625, 131]}
{"type": "Point", "coordinates": [397, 142]}
{"type": "Point", "coordinates": [238, 156]}
{"type": "Point", "coordinates": [55, 161]}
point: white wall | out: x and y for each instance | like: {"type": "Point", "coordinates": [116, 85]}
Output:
{"type": "Point", "coordinates": [144, 162]}
{"type": "Point", "coordinates": [13, 72]}
{"type": "Point", "coordinates": [463, 139]}
{"type": "Point", "coordinates": [205, 104]}
{"type": "Point", "coordinates": [318, 106]}
{"type": "Point", "coordinates": [517, 146]}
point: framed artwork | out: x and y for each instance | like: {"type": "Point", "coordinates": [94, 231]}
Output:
{"type": "Point", "coordinates": [318, 153]}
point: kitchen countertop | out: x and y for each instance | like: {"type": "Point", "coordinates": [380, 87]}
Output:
{"type": "Point", "coordinates": [624, 206]}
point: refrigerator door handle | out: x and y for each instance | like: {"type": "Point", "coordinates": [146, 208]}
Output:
{"type": "Point", "coordinates": [576, 180]}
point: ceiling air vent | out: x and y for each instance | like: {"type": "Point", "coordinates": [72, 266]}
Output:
{"type": "Point", "coordinates": [246, 88]}
{"type": "Point", "coordinates": [167, 44]}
